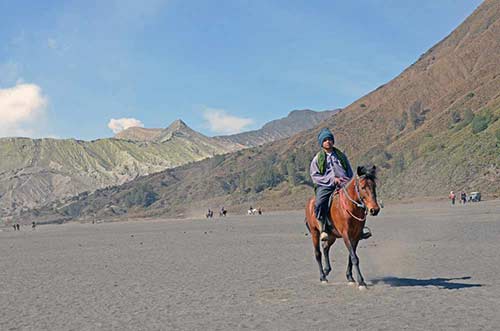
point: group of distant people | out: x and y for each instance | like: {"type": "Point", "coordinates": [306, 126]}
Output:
{"type": "Point", "coordinates": [16, 227]}
{"type": "Point", "coordinates": [253, 211]}
{"type": "Point", "coordinates": [462, 197]}
{"type": "Point", "coordinates": [210, 213]}
{"type": "Point", "coordinates": [223, 212]}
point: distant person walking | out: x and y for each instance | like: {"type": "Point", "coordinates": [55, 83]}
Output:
{"type": "Point", "coordinates": [452, 197]}
{"type": "Point", "coordinates": [463, 197]}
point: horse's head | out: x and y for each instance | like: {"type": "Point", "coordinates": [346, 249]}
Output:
{"type": "Point", "coordinates": [367, 188]}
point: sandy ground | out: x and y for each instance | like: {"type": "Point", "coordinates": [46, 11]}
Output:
{"type": "Point", "coordinates": [428, 266]}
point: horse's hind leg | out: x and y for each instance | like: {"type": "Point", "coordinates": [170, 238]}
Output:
{"type": "Point", "coordinates": [317, 254]}
{"type": "Point", "coordinates": [326, 251]}
{"type": "Point", "coordinates": [353, 258]}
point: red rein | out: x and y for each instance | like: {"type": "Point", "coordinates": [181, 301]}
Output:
{"type": "Point", "coordinates": [344, 203]}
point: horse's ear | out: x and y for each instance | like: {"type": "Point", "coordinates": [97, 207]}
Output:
{"type": "Point", "coordinates": [373, 172]}
{"type": "Point", "coordinates": [361, 171]}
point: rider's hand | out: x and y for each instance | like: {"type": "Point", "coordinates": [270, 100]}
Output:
{"type": "Point", "coordinates": [340, 180]}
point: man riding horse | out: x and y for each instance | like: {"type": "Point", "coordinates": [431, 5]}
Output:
{"type": "Point", "coordinates": [330, 170]}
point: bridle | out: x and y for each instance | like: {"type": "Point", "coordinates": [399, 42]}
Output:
{"type": "Point", "coordinates": [361, 204]}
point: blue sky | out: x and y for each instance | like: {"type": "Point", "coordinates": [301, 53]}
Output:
{"type": "Point", "coordinates": [68, 67]}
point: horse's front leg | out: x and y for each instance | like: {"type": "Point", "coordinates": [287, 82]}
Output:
{"type": "Point", "coordinates": [348, 273]}
{"type": "Point", "coordinates": [317, 254]}
{"type": "Point", "coordinates": [354, 260]}
{"type": "Point", "coordinates": [326, 252]}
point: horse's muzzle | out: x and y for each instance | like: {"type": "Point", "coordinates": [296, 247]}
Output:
{"type": "Point", "coordinates": [374, 211]}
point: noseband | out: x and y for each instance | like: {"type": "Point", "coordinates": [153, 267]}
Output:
{"type": "Point", "coordinates": [360, 204]}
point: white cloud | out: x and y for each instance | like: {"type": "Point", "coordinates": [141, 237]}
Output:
{"type": "Point", "coordinates": [21, 110]}
{"type": "Point", "coordinates": [219, 121]}
{"type": "Point", "coordinates": [117, 125]}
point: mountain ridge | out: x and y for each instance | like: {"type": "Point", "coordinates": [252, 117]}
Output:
{"type": "Point", "coordinates": [275, 130]}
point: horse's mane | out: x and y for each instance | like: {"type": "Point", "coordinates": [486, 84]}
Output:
{"type": "Point", "coordinates": [369, 172]}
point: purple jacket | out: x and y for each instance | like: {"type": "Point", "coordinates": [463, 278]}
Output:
{"type": "Point", "coordinates": [333, 169]}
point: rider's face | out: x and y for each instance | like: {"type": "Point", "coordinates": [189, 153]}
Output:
{"type": "Point", "coordinates": [327, 143]}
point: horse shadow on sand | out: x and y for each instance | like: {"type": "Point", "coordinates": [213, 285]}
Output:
{"type": "Point", "coordinates": [442, 283]}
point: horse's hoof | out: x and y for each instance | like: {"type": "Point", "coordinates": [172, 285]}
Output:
{"type": "Point", "coordinates": [362, 287]}
{"type": "Point", "coordinates": [351, 283]}
{"type": "Point", "coordinates": [366, 233]}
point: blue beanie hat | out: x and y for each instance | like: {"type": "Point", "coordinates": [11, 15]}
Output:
{"type": "Point", "coordinates": [323, 134]}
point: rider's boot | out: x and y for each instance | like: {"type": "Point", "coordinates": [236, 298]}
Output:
{"type": "Point", "coordinates": [367, 233]}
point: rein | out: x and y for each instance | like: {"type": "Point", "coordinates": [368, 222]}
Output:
{"type": "Point", "coordinates": [360, 204]}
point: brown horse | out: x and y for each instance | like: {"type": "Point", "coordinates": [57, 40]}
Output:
{"type": "Point", "coordinates": [349, 208]}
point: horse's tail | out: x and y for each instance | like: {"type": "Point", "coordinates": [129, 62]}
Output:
{"type": "Point", "coordinates": [307, 224]}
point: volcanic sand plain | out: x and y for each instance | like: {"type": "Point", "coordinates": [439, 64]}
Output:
{"type": "Point", "coordinates": [429, 266]}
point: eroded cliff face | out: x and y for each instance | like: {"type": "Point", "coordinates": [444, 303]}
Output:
{"type": "Point", "coordinates": [36, 171]}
